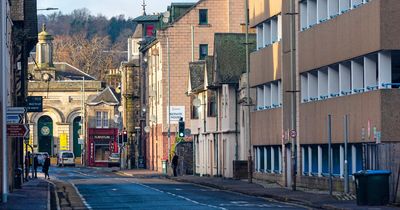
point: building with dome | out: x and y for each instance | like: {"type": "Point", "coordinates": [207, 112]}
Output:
{"type": "Point", "coordinates": [74, 103]}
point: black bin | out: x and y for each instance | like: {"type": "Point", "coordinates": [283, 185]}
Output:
{"type": "Point", "coordinates": [18, 178]}
{"type": "Point", "coordinates": [372, 187]}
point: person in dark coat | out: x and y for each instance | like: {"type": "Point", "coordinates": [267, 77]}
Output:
{"type": "Point", "coordinates": [35, 166]}
{"type": "Point", "coordinates": [46, 166]}
{"type": "Point", "coordinates": [175, 163]}
{"type": "Point", "coordinates": [27, 165]}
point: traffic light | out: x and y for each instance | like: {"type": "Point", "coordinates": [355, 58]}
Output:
{"type": "Point", "coordinates": [119, 138]}
{"type": "Point", "coordinates": [181, 128]}
{"type": "Point", "coordinates": [125, 136]}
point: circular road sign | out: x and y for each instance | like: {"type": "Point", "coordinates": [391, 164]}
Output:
{"type": "Point", "coordinates": [293, 133]}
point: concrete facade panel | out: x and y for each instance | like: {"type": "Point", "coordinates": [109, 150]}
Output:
{"type": "Point", "coordinates": [265, 65]}
{"type": "Point", "coordinates": [347, 36]}
{"type": "Point", "coordinates": [266, 127]}
{"type": "Point", "coordinates": [260, 10]}
{"type": "Point", "coordinates": [361, 109]}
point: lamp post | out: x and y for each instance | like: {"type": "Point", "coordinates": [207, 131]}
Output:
{"type": "Point", "coordinates": [166, 21]}
{"type": "Point", "coordinates": [248, 102]}
{"type": "Point", "coordinates": [83, 127]}
{"type": "Point", "coordinates": [48, 8]}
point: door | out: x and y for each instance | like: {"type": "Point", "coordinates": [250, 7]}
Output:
{"type": "Point", "coordinates": [45, 134]}
{"type": "Point", "coordinates": [76, 129]}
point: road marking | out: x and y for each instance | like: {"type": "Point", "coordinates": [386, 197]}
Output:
{"type": "Point", "coordinates": [82, 198]}
{"type": "Point", "coordinates": [179, 196]}
{"type": "Point", "coordinates": [177, 189]}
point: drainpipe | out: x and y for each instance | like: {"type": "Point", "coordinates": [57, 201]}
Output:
{"type": "Point", "coordinates": [4, 78]}
{"type": "Point", "coordinates": [236, 126]}
{"type": "Point", "coordinates": [217, 126]}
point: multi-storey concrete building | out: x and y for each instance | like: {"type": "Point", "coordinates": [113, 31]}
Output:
{"type": "Point", "coordinates": [190, 37]}
{"type": "Point", "coordinates": [347, 54]}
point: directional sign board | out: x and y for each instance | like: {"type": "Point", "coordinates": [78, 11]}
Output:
{"type": "Point", "coordinates": [34, 104]}
{"type": "Point", "coordinates": [16, 110]}
{"type": "Point", "coordinates": [17, 130]}
{"type": "Point", "coordinates": [14, 118]}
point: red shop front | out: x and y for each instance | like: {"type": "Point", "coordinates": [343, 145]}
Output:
{"type": "Point", "coordinates": [102, 142]}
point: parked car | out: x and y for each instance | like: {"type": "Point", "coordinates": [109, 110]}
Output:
{"type": "Point", "coordinates": [113, 160]}
{"type": "Point", "coordinates": [65, 158]}
{"type": "Point", "coordinates": [41, 157]}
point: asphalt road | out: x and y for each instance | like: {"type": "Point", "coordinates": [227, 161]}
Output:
{"type": "Point", "coordinates": [103, 189]}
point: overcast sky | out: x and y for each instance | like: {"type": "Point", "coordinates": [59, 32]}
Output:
{"type": "Point", "coordinates": [109, 8]}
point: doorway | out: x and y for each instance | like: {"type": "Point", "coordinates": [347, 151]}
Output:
{"type": "Point", "coordinates": [45, 134]}
{"type": "Point", "coordinates": [76, 130]}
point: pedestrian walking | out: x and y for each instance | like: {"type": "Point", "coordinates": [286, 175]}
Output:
{"type": "Point", "coordinates": [46, 166]}
{"type": "Point", "coordinates": [27, 165]}
{"type": "Point", "coordinates": [35, 166]}
{"type": "Point", "coordinates": [175, 163]}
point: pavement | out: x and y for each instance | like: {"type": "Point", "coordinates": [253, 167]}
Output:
{"type": "Point", "coordinates": [309, 199]}
{"type": "Point", "coordinates": [36, 193]}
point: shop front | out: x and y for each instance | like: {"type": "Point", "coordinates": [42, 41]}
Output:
{"type": "Point", "coordinates": [102, 143]}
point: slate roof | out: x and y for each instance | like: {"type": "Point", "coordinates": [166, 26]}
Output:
{"type": "Point", "coordinates": [107, 96]}
{"type": "Point", "coordinates": [230, 56]}
{"type": "Point", "coordinates": [210, 70]}
{"type": "Point", "coordinates": [196, 72]}
{"type": "Point", "coordinates": [65, 71]}
{"type": "Point", "coordinates": [147, 18]}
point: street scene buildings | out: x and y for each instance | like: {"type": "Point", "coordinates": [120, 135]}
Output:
{"type": "Point", "coordinates": [293, 100]}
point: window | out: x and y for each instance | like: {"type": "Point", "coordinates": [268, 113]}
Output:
{"type": "Point", "coordinates": [105, 119]}
{"type": "Point", "coordinates": [150, 30]}
{"type": "Point", "coordinates": [102, 120]}
{"type": "Point", "coordinates": [313, 12]}
{"type": "Point", "coordinates": [212, 106]}
{"type": "Point", "coordinates": [203, 52]}
{"type": "Point", "coordinates": [98, 120]}
{"type": "Point", "coordinates": [203, 17]}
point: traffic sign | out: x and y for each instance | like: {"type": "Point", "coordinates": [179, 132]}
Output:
{"type": "Point", "coordinates": [16, 110]}
{"type": "Point", "coordinates": [34, 104]}
{"type": "Point", "coordinates": [14, 118]}
{"type": "Point", "coordinates": [293, 133]}
{"type": "Point", "coordinates": [17, 130]}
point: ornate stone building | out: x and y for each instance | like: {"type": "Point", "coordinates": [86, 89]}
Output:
{"type": "Point", "coordinates": [68, 94]}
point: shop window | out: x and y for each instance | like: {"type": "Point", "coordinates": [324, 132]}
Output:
{"type": "Point", "coordinates": [203, 17]}
{"type": "Point", "coordinates": [203, 51]}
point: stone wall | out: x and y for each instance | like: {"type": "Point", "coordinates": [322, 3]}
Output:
{"type": "Point", "coordinates": [185, 162]}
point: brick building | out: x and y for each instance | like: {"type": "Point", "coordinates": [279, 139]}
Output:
{"type": "Point", "coordinates": [191, 37]}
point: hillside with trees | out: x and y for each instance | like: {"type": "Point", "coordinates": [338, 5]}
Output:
{"type": "Point", "coordinates": [94, 44]}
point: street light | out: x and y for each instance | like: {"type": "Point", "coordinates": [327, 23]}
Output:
{"type": "Point", "coordinates": [49, 8]}
{"type": "Point", "coordinates": [166, 21]}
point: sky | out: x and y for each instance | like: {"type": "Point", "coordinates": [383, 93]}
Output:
{"type": "Point", "coordinates": [109, 8]}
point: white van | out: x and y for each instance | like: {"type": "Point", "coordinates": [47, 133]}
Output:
{"type": "Point", "coordinates": [66, 158]}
